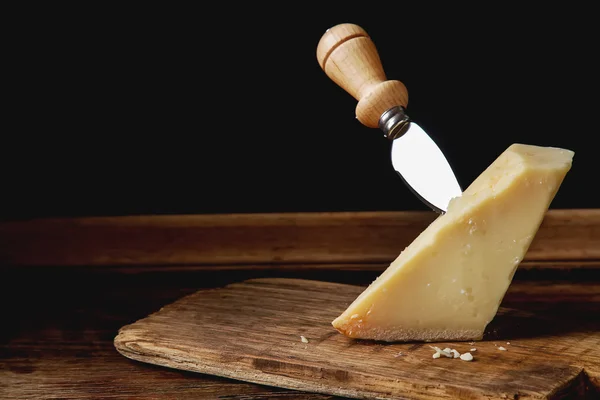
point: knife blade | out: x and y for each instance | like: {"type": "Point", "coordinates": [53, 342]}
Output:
{"type": "Point", "coordinates": [348, 56]}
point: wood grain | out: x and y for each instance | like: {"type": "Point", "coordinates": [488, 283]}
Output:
{"type": "Point", "coordinates": [102, 374]}
{"type": "Point", "coordinates": [349, 58]}
{"type": "Point", "coordinates": [251, 330]}
{"type": "Point", "coordinates": [58, 326]}
{"type": "Point", "coordinates": [566, 239]}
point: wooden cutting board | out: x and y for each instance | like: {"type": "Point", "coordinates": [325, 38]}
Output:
{"type": "Point", "coordinates": [251, 331]}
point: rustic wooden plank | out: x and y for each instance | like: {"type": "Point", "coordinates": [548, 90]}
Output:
{"type": "Point", "coordinates": [277, 239]}
{"type": "Point", "coordinates": [251, 331]}
{"type": "Point", "coordinates": [34, 373]}
{"type": "Point", "coordinates": [58, 327]}
{"type": "Point", "coordinates": [67, 317]}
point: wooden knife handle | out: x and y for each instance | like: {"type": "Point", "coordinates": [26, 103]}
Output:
{"type": "Point", "coordinates": [349, 58]}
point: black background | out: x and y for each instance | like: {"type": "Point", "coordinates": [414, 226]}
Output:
{"type": "Point", "coordinates": [224, 108]}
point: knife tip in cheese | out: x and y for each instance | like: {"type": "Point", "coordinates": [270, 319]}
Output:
{"type": "Point", "coordinates": [449, 282]}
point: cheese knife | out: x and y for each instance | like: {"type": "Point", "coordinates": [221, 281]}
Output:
{"type": "Point", "coordinates": [349, 57]}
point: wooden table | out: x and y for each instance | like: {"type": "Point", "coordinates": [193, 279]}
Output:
{"type": "Point", "coordinates": [69, 285]}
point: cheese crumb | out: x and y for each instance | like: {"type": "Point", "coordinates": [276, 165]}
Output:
{"type": "Point", "coordinates": [304, 340]}
{"type": "Point", "coordinates": [501, 348]}
{"type": "Point", "coordinates": [451, 353]}
{"type": "Point", "coordinates": [473, 349]}
{"type": "Point", "coordinates": [442, 352]}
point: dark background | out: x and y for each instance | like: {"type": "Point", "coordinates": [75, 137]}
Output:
{"type": "Point", "coordinates": [224, 108]}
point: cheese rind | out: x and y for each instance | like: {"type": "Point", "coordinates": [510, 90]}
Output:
{"type": "Point", "coordinates": [449, 282]}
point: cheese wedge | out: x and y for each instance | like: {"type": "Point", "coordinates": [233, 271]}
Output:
{"type": "Point", "coordinates": [449, 282]}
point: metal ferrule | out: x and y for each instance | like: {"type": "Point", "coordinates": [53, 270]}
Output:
{"type": "Point", "coordinates": [394, 122]}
